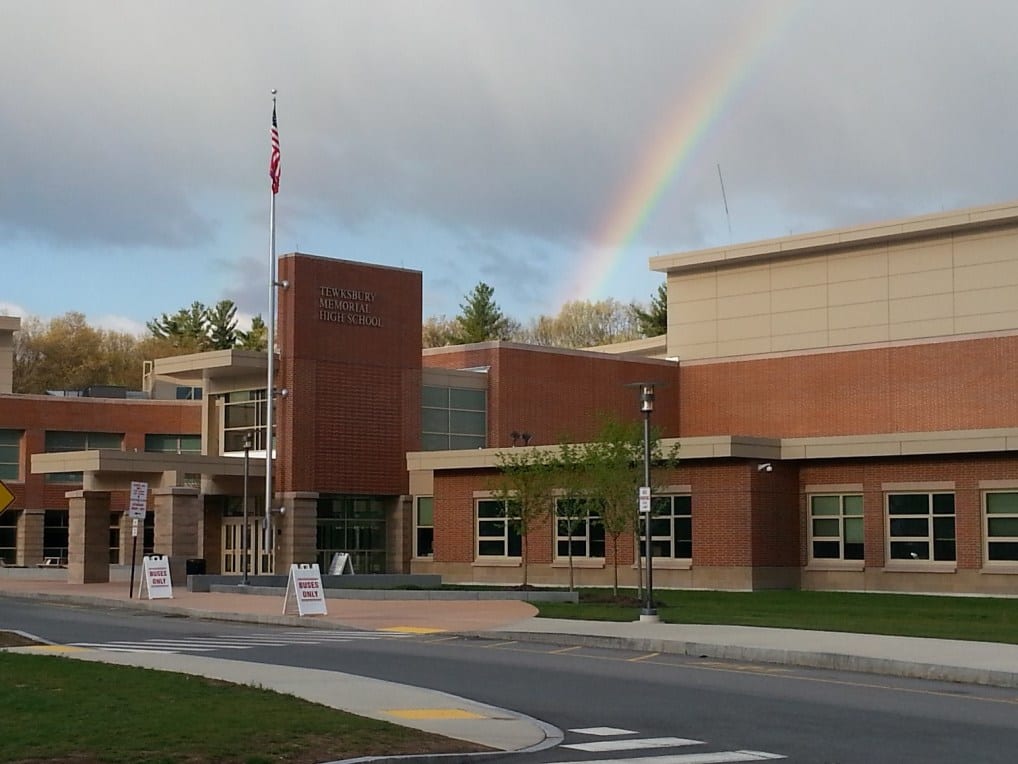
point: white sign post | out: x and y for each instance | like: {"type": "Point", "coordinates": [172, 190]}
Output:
{"type": "Point", "coordinates": [644, 498]}
{"type": "Point", "coordinates": [305, 586]}
{"type": "Point", "coordinates": [156, 577]}
{"type": "Point", "coordinates": [136, 511]}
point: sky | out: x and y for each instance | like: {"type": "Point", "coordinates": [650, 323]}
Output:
{"type": "Point", "coordinates": [548, 148]}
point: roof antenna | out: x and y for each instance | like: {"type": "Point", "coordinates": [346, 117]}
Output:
{"type": "Point", "coordinates": [724, 198]}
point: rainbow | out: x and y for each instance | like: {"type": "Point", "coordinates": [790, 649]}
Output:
{"type": "Point", "coordinates": [673, 145]}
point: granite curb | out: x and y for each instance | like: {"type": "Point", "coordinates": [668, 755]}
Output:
{"type": "Point", "coordinates": [818, 659]}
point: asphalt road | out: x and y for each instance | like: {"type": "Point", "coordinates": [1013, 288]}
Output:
{"type": "Point", "coordinates": [803, 715]}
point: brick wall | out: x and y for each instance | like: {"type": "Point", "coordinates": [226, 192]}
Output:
{"type": "Point", "coordinates": [965, 384]}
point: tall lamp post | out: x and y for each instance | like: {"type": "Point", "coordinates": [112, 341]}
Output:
{"type": "Point", "coordinates": [649, 612]}
{"type": "Point", "coordinates": [248, 443]}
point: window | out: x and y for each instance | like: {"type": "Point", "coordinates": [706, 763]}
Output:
{"type": "Point", "coordinates": [498, 533]}
{"type": "Point", "coordinates": [836, 526]}
{"type": "Point", "coordinates": [579, 528]}
{"type": "Point", "coordinates": [921, 526]}
{"type": "Point", "coordinates": [243, 412]}
{"type": "Point", "coordinates": [671, 527]}
{"type": "Point", "coordinates": [1002, 526]}
{"type": "Point", "coordinates": [9, 536]}
{"type": "Point", "coordinates": [188, 393]}
{"type": "Point", "coordinates": [173, 444]}
{"type": "Point", "coordinates": [453, 418]}
{"type": "Point", "coordinates": [59, 441]}
{"type": "Point", "coordinates": [54, 533]}
{"type": "Point", "coordinates": [424, 522]}
{"type": "Point", "coordinates": [355, 525]}
{"type": "Point", "coordinates": [10, 454]}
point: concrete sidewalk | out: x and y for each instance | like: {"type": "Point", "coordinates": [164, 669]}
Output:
{"type": "Point", "coordinates": [971, 662]}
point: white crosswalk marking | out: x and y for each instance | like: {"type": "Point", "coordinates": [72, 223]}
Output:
{"type": "Point", "coordinates": [603, 731]}
{"type": "Point", "coordinates": [719, 757]}
{"type": "Point", "coordinates": [214, 642]}
{"type": "Point", "coordinates": [634, 744]}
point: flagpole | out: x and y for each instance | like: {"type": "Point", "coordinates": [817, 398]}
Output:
{"type": "Point", "coordinates": [269, 545]}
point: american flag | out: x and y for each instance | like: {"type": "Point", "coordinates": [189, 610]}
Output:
{"type": "Point", "coordinates": [274, 156]}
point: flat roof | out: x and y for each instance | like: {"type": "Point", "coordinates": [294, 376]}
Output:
{"type": "Point", "coordinates": [918, 227]}
{"type": "Point", "coordinates": [214, 364]}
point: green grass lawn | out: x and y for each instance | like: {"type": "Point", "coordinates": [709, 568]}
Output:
{"type": "Point", "coordinates": [62, 710]}
{"type": "Point", "coordinates": [974, 618]}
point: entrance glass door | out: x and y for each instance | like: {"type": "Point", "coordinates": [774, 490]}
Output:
{"type": "Point", "coordinates": [259, 560]}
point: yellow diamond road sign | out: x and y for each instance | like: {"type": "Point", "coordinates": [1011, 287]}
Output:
{"type": "Point", "coordinates": [6, 497]}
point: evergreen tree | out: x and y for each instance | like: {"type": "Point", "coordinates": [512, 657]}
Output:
{"type": "Point", "coordinates": [654, 321]}
{"type": "Point", "coordinates": [257, 338]}
{"type": "Point", "coordinates": [221, 322]}
{"type": "Point", "coordinates": [482, 319]}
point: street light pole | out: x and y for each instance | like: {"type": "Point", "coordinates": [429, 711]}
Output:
{"type": "Point", "coordinates": [244, 530]}
{"type": "Point", "coordinates": [649, 612]}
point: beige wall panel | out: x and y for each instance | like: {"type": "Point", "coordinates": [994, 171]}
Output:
{"type": "Point", "coordinates": [800, 298]}
{"type": "Point", "coordinates": [749, 346]}
{"type": "Point", "coordinates": [925, 308]}
{"type": "Point", "coordinates": [744, 281]}
{"type": "Point", "coordinates": [696, 333]}
{"type": "Point", "coordinates": [918, 258]}
{"type": "Point", "coordinates": [799, 321]}
{"type": "Point", "coordinates": [916, 329]}
{"type": "Point", "coordinates": [859, 335]}
{"type": "Point", "coordinates": [861, 314]}
{"type": "Point", "coordinates": [987, 248]}
{"type": "Point", "coordinates": [742, 328]}
{"type": "Point", "coordinates": [986, 275]}
{"type": "Point", "coordinates": [856, 266]}
{"type": "Point", "coordinates": [857, 291]}
{"type": "Point", "coordinates": [756, 304]}
{"type": "Point", "coordinates": [781, 343]}
{"type": "Point", "coordinates": [978, 302]}
{"type": "Point", "coordinates": [806, 272]}
{"type": "Point", "coordinates": [989, 322]}
{"type": "Point", "coordinates": [924, 283]}
{"type": "Point", "coordinates": [690, 288]}
{"type": "Point", "coordinates": [694, 310]}
{"type": "Point", "coordinates": [693, 352]}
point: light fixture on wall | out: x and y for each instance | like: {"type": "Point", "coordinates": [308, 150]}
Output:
{"type": "Point", "coordinates": [765, 467]}
{"type": "Point", "coordinates": [517, 436]}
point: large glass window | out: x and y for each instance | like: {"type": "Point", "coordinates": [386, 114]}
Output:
{"type": "Point", "coordinates": [355, 525]}
{"type": "Point", "coordinates": [920, 526]}
{"type": "Point", "coordinates": [244, 412]}
{"type": "Point", "coordinates": [173, 444]}
{"type": "Point", "coordinates": [1002, 526]}
{"type": "Point", "coordinates": [424, 522]}
{"type": "Point", "coordinates": [9, 536]}
{"type": "Point", "coordinates": [836, 526]}
{"type": "Point", "coordinates": [498, 530]}
{"type": "Point", "coordinates": [453, 418]}
{"type": "Point", "coordinates": [61, 441]}
{"type": "Point", "coordinates": [54, 534]}
{"type": "Point", "coordinates": [579, 528]}
{"type": "Point", "coordinates": [10, 454]}
{"type": "Point", "coordinates": [671, 527]}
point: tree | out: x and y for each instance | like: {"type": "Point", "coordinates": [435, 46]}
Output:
{"type": "Point", "coordinates": [482, 319]}
{"type": "Point", "coordinates": [582, 324]}
{"type": "Point", "coordinates": [438, 331]}
{"type": "Point", "coordinates": [188, 328]}
{"type": "Point", "coordinates": [654, 321]}
{"type": "Point", "coordinates": [68, 354]}
{"type": "Point", "coordinates": [257, 337]}
{"type": "Point", "coordinates": [221, 322]}
{"type": "Point", "coordinates": [525, 487]}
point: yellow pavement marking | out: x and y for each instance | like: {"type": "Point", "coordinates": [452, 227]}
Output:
{"type": "Point", "coordinates": [413, 629]}
{"type": "Point", "coordinates": [639, 658]}
{"type": "Point", "coordinates": [499, 644]}
{"type": "Point", "coordinates": [565, 650]}
{"type": "Point", "coordinates": [433, 713]}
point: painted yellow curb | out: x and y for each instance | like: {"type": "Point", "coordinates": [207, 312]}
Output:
{"type": "Point", "coordinates": [433, 713]}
